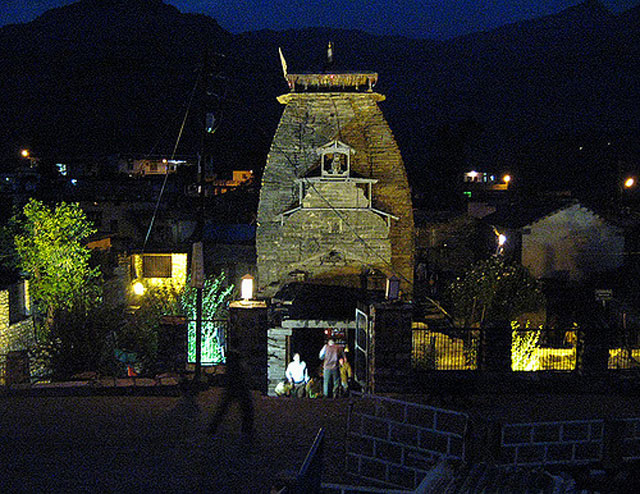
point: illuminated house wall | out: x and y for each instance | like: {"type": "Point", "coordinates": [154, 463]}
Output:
{"type": "Point", "coordinates": [571, 243]}
{"type": "Point", "coordinates": [160, 270]}
{"type": "Point", "coordinates": [16, 325]}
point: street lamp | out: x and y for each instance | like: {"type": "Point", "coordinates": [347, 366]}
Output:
{"type": "Point", "coordinates": [138, 289]}
{"type": "Point", "coordinates": [246, 287]}
{"type": "Point", "coordinates": [506, 179]}
{"type": "Point", "coordinates": [629, 182]}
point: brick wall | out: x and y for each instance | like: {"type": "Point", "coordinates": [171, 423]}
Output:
{"type": "Point", "coordinates": [395, 443]}
{"type": "Point", "coordinates": [548, 443]}
{"type": "Point", "coordinates": [630, 439]}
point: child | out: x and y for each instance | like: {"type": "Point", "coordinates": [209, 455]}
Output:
{"type": "Point", "coordinates": [345, 374]}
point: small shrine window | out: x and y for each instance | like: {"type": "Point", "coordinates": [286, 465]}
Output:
{"type": "Point", "coordinates": [335, 159]}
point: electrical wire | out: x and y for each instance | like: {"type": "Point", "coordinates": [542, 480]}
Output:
{"type": "Point", "coordinates": [173, 153]}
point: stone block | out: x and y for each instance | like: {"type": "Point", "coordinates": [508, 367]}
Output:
{"type": "Point", "coordinates": [575, 431]}
{"type": "Point", "coordinates": [360, 445]}
{"type": "Point", "coordinates": [434, 441]}
{"type": "Point", "coordinates": [424, 417]}
{"type": "Point", "coordinates": [545, 433]}
{"type": "Point", "coordinates": [388, 451]}
{"type": "Point", "coordinates": [451, 422]}
{"type": "Point", "coordinates": [588, 451]}
{"type": "Point", "coordinates": [352, 464]}
{"type": "Point", "coordinates": [456, 447]}
{"type": "Point", "coordinates": [375, 427]}
{"type": "Point", "coordinates": [531, 454]}
{"type": "Point", "coordinates": [516, 434]}
{"type": "Point", "coordinates": [391, 410]}
{"type": "Point", "coordinates": [403, 477]}
{"type": "Point", "coordinates": [373, 469]}
{"type": "Point", "coordinates": [559, 453]}
{"type": "Point", "coordinates": [404, 434]}
{"type": "Point", "coordinates": [420, 460]}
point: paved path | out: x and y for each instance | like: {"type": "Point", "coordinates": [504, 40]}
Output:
{"type": "Point", "coordinates": [157, 444]}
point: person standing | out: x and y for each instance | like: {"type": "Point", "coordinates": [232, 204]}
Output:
{"type": "Point", "coordinates": [345, 374]}
{"type": "Point", "coordinates": [297, 375]}
{"type": "Point", "coordinates": [236, 388]}
{"type": "Point", "coordinates": [330, 354]}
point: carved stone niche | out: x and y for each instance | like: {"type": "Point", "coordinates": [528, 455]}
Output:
{"type": "Point", "coordinates": [335, 159]}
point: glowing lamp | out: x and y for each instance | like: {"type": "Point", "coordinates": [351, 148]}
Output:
{"type": "Point", "coordinates": [138, 289]}
{"type": "Point", "coordinates": [246, 287]}
{"type": "Point", "coordinates": [506, 179]}
{"type": "Point", "coordinates": [501, 239]}
{"type": "Point", "coordinates": [629, 182]}
{"type": "Point", "coordinates": [24, 153]}
{"type": "Point", "coordinates": [473, 174]}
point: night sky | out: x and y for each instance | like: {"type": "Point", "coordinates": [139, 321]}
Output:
{"type": "Point", "coordinates": [413, 18]}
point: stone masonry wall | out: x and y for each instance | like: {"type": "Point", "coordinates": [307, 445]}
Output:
{"type": "Point", "coordinates": [14, 337]}
{"type": "Point", "coordinates": [309, 121]}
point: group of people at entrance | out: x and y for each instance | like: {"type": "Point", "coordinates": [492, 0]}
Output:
{"type": "Point", "coordinates": [336, 374]}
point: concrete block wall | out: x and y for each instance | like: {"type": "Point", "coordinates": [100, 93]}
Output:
{"type": "Point", "coordinates": [551, 443]}
{"type": "Point", "coordinates": [630, 439]}
{"type": "Point", "coordinates": [396, 443]}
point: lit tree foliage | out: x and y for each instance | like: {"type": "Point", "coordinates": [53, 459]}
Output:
{"type": "Point", "coordinates": [214, 303]}
{"type": "Point", "coordinates": [493, 290]}
{"type": "Point", "coordinates": [50, 246]}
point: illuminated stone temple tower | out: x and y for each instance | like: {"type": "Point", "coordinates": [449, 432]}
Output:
{"type": "Point", "coordinates": [335, 203]}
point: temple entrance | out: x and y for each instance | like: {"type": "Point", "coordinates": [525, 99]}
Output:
{"type": "Point", "coordinates": [307, 342]}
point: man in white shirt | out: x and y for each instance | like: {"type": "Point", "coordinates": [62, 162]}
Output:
{"type": "Point", "coordinates": [297, 375]}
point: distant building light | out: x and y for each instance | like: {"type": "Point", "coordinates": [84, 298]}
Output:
{"type": "Point", "coordinates": [502, 238]}
{"type": "Point", "coordinates": [24, 153]}
{"type": "Point", "coordinates": [629, 182]}
{"type": "Point", "coordinates": [581, 148]}
{"type": "Point", "coordinates": [473, 174]}
{"type": "Point", "coordinates": [62, 169]}
{"type": "Point", "coordinates": [506, 179]}
{"type": "Point", "coordinates": [467, 193]}
{"type": "Point", "coordinates": [74, 181]}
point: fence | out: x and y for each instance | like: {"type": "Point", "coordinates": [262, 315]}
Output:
{"type": "Point", "coordinates": [624, 349]}
{"type": "Point", "coordinates": [532, 350]}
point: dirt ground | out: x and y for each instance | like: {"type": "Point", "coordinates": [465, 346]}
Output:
{"type": "Point", "coordinates": [159, 444]}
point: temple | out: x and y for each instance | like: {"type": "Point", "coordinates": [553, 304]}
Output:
{"type": "Point", "coordinates": [335, 205]}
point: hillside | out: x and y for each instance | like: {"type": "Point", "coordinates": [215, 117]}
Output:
{"type": "Point", "coordinates": [104, 76]}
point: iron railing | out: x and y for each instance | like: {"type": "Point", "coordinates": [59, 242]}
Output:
{"type": "Point", "coordinates": [461, 349]}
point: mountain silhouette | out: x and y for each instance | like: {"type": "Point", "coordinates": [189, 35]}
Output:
{"type": "Point", "coordinates": [106, 76]}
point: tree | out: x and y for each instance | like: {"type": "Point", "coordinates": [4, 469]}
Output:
{"type": "Point", "coordinates": [493, 290]}
{"type": "Point", "coordinates": [50, 246]}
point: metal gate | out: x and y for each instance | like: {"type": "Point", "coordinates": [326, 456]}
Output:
{"type": "Point", "coordinates": [361, 350]}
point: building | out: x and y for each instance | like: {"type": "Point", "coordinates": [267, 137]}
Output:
{"type": "Point", "coordinates": [561, 240]}
{"type": "Point", "coordinates": [335, 203]}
